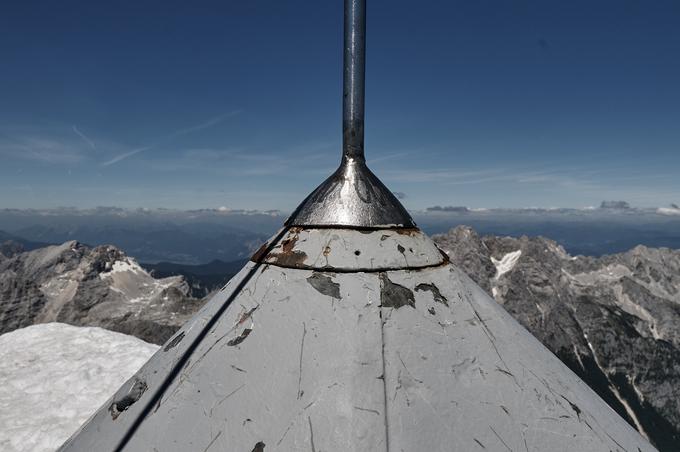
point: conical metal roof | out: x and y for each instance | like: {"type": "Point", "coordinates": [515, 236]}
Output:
{"type": "Point", "coordinates": [351, 331]}
{"type": "Point", "coordinates": [340, 339]}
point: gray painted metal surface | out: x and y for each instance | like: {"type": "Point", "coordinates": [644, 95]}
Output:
{"type": "Point", "coordinates": [370, 360]}
{"type": "Point", "coordinates": [353, 250]}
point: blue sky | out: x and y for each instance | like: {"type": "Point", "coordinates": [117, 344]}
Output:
{"type": "Point", "coordinates": [237, 104]}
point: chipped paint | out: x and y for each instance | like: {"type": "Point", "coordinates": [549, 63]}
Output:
{"type": "Point", "coordinates": [174, 341]}
{"type": "Point", "coordinates": [133, 394]}
{"type": "Point", "coordinates": [352, 375]}
{"type": "Point", "coordinates": [492, 362]}
{"type": "Point", "coordinates": [285, 253]}
{"type": "Point", "coordinates": [394, 295]}
{"type": "Point", "coordinates": [324, 284]}
{"type": "Point", "coordinates": [240, 338]}
{"type": "Point", "coordinates": [436, 294]}
{"type": "Point", "coordinates": [301, 361]}
{"type": "Point", "coordinates": [353, 250]}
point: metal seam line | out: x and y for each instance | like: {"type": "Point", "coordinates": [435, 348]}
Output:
{"type": "Point", "coordinates": [177, 368]}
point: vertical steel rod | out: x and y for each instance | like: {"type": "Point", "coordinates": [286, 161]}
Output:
{"type": "Point", "coordinates": [353, 80]}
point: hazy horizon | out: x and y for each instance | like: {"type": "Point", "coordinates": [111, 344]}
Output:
{"type": "Point", "coordinates": [668, 209]}
{"type": "Point", "coordinates": [189, 106]}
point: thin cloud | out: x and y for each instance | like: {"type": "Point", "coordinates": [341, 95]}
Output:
{"type": "Point", "coordinates": [209, 123]}
{"type": "Point", "coordinates": [84, 137]}
{"type": "Point", "coordinates": [40, 149]}
{"type": "Point", "coordinates": [125, 155]}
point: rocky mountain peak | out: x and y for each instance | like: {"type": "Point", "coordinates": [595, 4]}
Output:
{"type": "Point", "coordinates": [101, 286]}
{"type": "Point", "coordinates": [10, 248]}
{"type": "Point", "coordinates": [466, 245]}
{"type": "Point", "coordinates": [614, 320]}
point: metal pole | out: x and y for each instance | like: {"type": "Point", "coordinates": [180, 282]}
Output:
{"type": "Point", "coordinates": [353, 80]}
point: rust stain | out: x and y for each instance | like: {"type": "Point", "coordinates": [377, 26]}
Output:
{"type": "Point", "coordinates": [292, 259]}
{"type": "Point", "coordinates": [288, 256]}
{"type": "Point", "coordinates": [238, 339]}
{"type": "Point", "coordinates": [246, 315]}
{"type": "Point", "coordinates": [259, 254]}
{"type": "Point", "coordinates": [411, 232]}
{"type": "Point", "coordinates": [444, 255]}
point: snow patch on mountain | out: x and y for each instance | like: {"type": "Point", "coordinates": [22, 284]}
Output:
{"type": "Point", "coordinates": [126, 265]}
{"type": "Point", "coordinates": [668, 211]}
{"type": "Point", "coordinates": [53, 376]}
{"type": "Point", "coordinates": [613, 319]}
{"type": "Point", "coordinates": [631, 413]}
{"type": "Point", "coordinates": [127, 278]}
{"type": "Point", "coordinates": [506, 263]}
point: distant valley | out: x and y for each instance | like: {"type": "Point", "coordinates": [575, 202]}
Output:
{"type": "Point", "coordinates": [199, 237]}
{"type": "Point", "coordinates": [202, 279]}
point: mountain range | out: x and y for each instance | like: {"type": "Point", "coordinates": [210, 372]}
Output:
{"type": "Point", "coordinates": [614, 319]}
{"type": "Point", "coordinates": [194, 237]}
{"type": "Point", "coordinates": [76, 284]}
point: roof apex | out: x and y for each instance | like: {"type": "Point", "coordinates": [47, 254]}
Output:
{"type": "Point", "coordinates": [352, 197]}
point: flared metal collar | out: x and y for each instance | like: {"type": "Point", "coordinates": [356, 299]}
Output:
{"type": "Point", "coordinates": [351, 197]}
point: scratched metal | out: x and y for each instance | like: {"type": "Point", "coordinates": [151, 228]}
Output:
{"type": "Point", "coordinates": [352, 196]}
{"type": "Point", "coordinates": [301, 360]}
{"type": "Point", "coordinates": [462, 374]}
{"type": "Point", "coordinates": [351, 250]}
{"type": "Point", "coordinates": [100, 432]}
{"type": "Point", "coordinates": [347, 359]}
{"type": "Point", "coordinates": [306, 375]}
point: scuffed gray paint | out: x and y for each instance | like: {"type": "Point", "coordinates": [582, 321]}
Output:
{"type": "Point", "coordinates": [290, 368]}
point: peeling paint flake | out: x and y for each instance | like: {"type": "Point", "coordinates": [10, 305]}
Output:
{"type": "Point", "coordinates": [394, 295]}
{"type": "Point", "coordinates": [288, 256]}
{"type": "Point", "coordinates": [176, 340]}
{"type": "Point", "coordinates": [240, 338]}
{"type": "Point", "coordinates": [324, 285]}
{"type": "Point", "coordinates": [434, 290]}
{"type": "Point", "coordinates": [246, 315]}
{"type": "Point", "coordinates": [134, 393]}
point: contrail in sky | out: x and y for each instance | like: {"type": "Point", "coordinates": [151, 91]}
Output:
{"type": "Point", "coordinates": [125, 155]}
{"type": "Point", "coordinates": [209, 123]}
{"type": "Point", "coordinates": [84, 138]}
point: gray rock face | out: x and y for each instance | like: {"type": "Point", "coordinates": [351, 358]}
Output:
{"type": "Point", "coordinates": [614, 320]}
{"type": "Point", "coordinates": [10, 248]}
{"type": "Point", "coordinates": [100, 286]}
